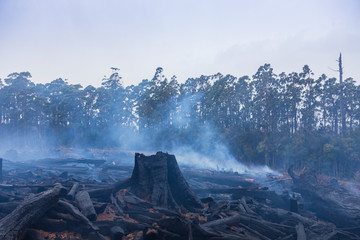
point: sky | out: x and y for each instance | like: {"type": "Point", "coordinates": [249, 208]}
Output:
{"type": "Point", "coordinates": [80, 40]}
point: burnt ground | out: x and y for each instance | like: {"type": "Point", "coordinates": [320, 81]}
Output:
{"type": "Point", "coordinates": [72, 198]}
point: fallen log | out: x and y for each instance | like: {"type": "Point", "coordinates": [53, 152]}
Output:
{"type": "Point", "coordinates": [32, 234]}
{"type": "Point", "coordinates": [254, 232]}
{"type": "Point", "coordinates": [300, 232]}
{"type": "Point", "coordinates": [329, 202]}
{"type": "Point", "coordinates": [281, 216]}
{"type": "Point", "coordinates": [5, 197]}
{"type": "Point", "coordinates": [257, 225]}
{"type": "Point", "coordinates": [85, 205]}
{"type": "Point", "coordinates": [29, 211]}
{"type": "Point", "coordinates": [76, 213]}
{"type": "Point", "coordinates": [116, 232]}
{"type": "Point", "coordinates": [73, 191]}
{"type": "Point", "coordinates": [103, 194]}
{"type": "Point", "coordinates": [8, 207]}
{"type": "Point", "coordinates": [50, 225]}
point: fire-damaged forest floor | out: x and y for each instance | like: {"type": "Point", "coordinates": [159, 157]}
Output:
{"type": "Point", "coordinates": [156, 199]}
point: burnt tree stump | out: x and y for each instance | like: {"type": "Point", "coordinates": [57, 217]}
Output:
{"type": "Point", "coordinates": [158, 179]}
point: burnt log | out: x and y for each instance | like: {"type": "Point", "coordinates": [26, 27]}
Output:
{"type": "Point", "coordinates": [73, 191]}
{"type": "Point", "coordinates": [103, 194]}
{"type": "Point", "coordinates": [300, 232]}
{"type": "Point", "coordinates": [116, 233]}
{"type": "Point", "coordinates": [67, 207]}
{"type": "Point", "coordinates": [158, 179]}
{"type": "Point", "coordinates": [8, 207]}
{"type": "Point", "coordinates": [257, 225]}
{"type": "Point", "coordinates": [50, 225]}
{"type": "Point", "coordinates": [85, 205]}
{"type": "Point", "coordinates": [329, 202]}
{"type": "Point", "coordinates": [28, 212]}
{"type": "Point", "coordinates": [32, 234]}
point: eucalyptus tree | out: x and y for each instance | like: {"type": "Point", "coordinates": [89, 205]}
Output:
{"type": "Point", "coordinates": [17, 104]}
{"type": "Point", "coordinates": [154, 106]}
{"type": "Point", "coordinates": [351, 101]}
{"type": "Point", "coordinates": [265, 110]}
{"type": "Point", "coordinates": [309, 100]}
{"type": "Point", "coordinates": [291, 89]}
{"type": "Point", "coordinates": [112, 100]}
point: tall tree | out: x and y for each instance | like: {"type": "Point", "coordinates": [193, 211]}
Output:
{"type": "Point", "coordinates": [265, 111]}
{"type": "Point", "coordinates": [342, 102]}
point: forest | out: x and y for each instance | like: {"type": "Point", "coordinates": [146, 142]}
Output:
{"type": "Point", "coordinates": [276, 119]}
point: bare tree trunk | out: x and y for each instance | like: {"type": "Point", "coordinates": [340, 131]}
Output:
{"type": "Point", "coordinates": [342, 107]}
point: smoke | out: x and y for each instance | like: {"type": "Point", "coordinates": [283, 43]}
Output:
{"type": "Point", "coordinates": [182, 130]}
{"type": "Point", "coordinates": [26, 145]}
{"type": "Point", "coordinates": [221, 160]}
{"type": "Point", "coordinates": [195, 144]}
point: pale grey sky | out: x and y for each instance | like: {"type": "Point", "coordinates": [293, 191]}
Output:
{"type": "Point", "coordinates": [81, 39]}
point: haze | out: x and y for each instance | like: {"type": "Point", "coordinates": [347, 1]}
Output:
{"type": "Point", "coordinates": [81, 40]}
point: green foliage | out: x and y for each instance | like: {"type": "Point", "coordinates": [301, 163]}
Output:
{"type": "Point", "coordinates": [278, 120]}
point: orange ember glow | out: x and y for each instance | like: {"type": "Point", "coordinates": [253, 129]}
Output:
{"type": "Point", "coordinates": [249, 179]}
{"type": "Point", "coordinates": [109, 214]}
{"type": "Point", "coordinates": [60, 235]}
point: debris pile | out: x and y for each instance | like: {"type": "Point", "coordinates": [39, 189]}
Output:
{"type": "Point", "coordinates": [158, 200]}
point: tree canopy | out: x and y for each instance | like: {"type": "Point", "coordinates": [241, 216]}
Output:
{"type": "Point", "coordinates": [273, 119]}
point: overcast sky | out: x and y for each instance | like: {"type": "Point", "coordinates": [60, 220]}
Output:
{"type": "Point", "coordinates": [81, 39]}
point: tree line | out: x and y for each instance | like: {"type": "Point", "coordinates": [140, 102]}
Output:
{"type": "Point", "coordinates": [274, 119]}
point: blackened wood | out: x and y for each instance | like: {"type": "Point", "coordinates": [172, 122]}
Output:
{"type": "Point", "coordinates": [281, 216]}
{"type": "Point", "coordinates": [32, 234]}
{"type": "Point", "coordinates": [329, 202]}
{"type": "Point", "coordinates": [85, 205]}
{"type": "Point", "coordinates": [8, 207]}
{"type": "Point", "coordinates": [254, 232]}
{"type": "Point", "coordinates": [158, 179]}
{"type": "Point", "coordinates": [116, 233]}
{"type": "Point", "coordinates": [293, 205]}
{"type": "Point", "coordinates": [116, 204]}
{"type": "Point", "coordinates": [50, 225]}
{"type": "Point", "coordinates": [175, 225]}
{"type": "Point", "coordinates": [103, 194]}
{"type": "Point", "coordinates": [152, 234]}
{"type": "Point", "coordinates": [256, 224]}
{"type": "Point", "coordinates": [95, 236]}
{"type": "Point", "coordinates": [73, 191]}
{"type": "Point", "coordinates": [105, 226]}
{"type": "Point", "coordinates": [300, 232]}
{"type": "Point", "coordinates": [5, 197]}
{"type": "Point", "coordinates": [76, 213]}
{"type": "Point", "coordinates": [248, 210]}
{"type": "Point", "coordinates": [100, 206]}
{"type": "Point", "coordinates": [29, 211]}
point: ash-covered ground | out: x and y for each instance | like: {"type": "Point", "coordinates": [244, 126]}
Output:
{"type": "Point", "coordinates": [106, 197]}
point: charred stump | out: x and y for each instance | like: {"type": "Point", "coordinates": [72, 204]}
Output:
{"type": "Point", "coordinates": [158, 179]}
